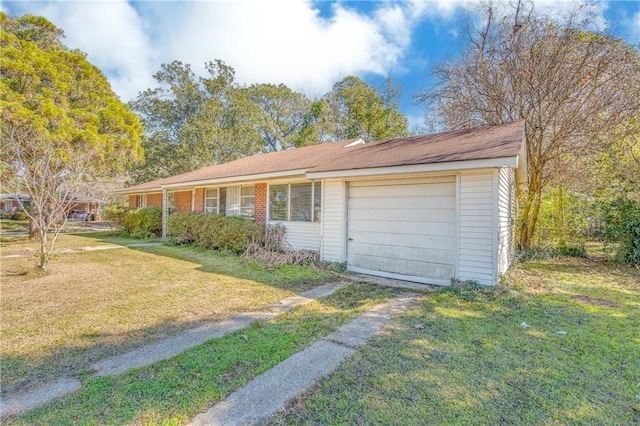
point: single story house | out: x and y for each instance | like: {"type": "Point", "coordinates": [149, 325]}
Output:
{"type": "Point", "coordinates": [14, 202]}
{"type": "Point", "coordinates": [427, 209]}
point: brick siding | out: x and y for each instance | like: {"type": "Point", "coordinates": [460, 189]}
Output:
{"type": "Point", "coordinates": [182, 201]}
{"type": "Point", "coordinates": [154, 200]}
{"type": "Point", "coordinates": [200, 200]}
{"type": "Point", "coordinates": [260, 202]}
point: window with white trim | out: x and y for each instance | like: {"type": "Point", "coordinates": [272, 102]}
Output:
{"type": "Point", "coordinates": [215, 201]}
{"type": "Point", "coordinates": [141, 200]}
{"type": "Point", "coordinates": [247, 200]}
{"type": "Point", "coordinates": [211, 201]}
{"type": "Point", "coordinates": [298, 202]}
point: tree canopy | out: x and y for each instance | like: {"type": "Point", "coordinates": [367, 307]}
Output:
{"type": "Point", "coordinates": [192, 122]}
{"type": "Point", "coordinates": [577, 90]}
{"type": "Point", "coordinates": [61, 122]}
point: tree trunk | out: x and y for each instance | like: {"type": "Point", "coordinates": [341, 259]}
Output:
{"type": "Point", "coordinates": [531, 209]}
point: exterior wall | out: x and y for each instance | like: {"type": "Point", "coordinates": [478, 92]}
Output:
{"type": "Point", "coordinates": [181, 201]}
{"type": "Point", "coordinates": [199, 200]}
{"type": "Point", "coordinates": [334, 198]}
{"type": "Point", "coordinates": [506, 218]}
{"type": "Point", "coordinates": [153, 200]}
{"type": "Point", "coordinates": [303, 235]}
{"type": "Point", "coordinates": [132, 201]}
{"type": "Point", "coordinates": [260, 214]}
{"type": "Point", "coordinates": [477, 227]}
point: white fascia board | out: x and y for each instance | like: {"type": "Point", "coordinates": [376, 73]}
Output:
{"type": "Point", "coordinates": [419, 168]}
{"type": "Point", "coordinates": [138, 191]}
{"type": "Point", "coordinates": [258, 177]}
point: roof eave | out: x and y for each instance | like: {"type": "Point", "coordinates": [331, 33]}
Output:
{"type": "Point", "coordinates": [511, 161]}
{"type": "Point", "coordinates": [239, 179]}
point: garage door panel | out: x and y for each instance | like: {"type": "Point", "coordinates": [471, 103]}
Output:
{"type": "Point", "coordinates": [404, 267]}
{"type": "Point", "coordinates": [403, 228]}
{"type": "Point", "coordinates": [431, 242]}
{"type": "Point", "coordinates": [403, 191]}
{"type": "Point", "coordinates": [406, 215]}
{"type": "Point", "coordinates": [439, 202]}
{"type": "Point", "coordinates": [402, 252]}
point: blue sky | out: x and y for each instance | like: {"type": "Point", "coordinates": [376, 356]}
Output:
{"type": "Point", "coordinates": [308, 45]}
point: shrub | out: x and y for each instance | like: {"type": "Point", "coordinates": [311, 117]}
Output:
{"type": "Point", "coordinates": [115, 214]}
{"type": "Point", "coordinates": [145, 223]}
{"type": "Point", "coordinates": [214, 232]}
{"type": "Point", "coordinates": [621, 222]}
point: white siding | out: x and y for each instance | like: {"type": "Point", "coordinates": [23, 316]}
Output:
{"type": "Point", "coordinates": [333, 221]}
{"type": "Point", "coordinates": [477, 221]}
{"type": "Point", "coordinates": [403, 228]}
{"type": "Point", "coordinates": [506, 218]}
{"type": "Point", "coordinates": [303, 235]}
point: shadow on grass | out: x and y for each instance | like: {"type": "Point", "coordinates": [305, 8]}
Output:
{"type": "Point", "coordinates": [174, 390]}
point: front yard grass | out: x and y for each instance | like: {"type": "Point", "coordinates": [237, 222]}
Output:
{"type": "Point", "coordinates": [175, 390]}
{"type": "Point", "coordinates": [557, 343]}
{"type": "Point", "coordinates": [94, 304]}
{"type": "Point", "coordinates": [9, 225]}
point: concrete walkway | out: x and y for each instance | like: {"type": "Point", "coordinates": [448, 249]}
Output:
{"type": "Point", "coordinates": [262, 397]}
{"type": "Point", "coordinates": [157, 351]}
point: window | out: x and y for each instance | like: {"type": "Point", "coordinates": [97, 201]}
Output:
{"type": "Point", "coordinates": [278, 197]}
{"type": "Point", "coordinates": [211, 201]}
{"type": "Point", "coordinates": [141, 201]}
{"type": "Point", "coordinates": [215, 201]}
{"type": "Point", "coordinates": [247, 200]}
{"type": "Point", "coordinates": [301, 203]}
{"type": "Point", "coordinates": [295, 202]}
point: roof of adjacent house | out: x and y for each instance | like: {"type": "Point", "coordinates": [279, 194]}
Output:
{"type": "Point", "coordinates": [487, 142]}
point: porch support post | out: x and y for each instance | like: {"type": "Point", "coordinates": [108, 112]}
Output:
{"type": "Point", "coordinates": [165, 212]}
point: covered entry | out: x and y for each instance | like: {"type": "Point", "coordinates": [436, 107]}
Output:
{"type": "Point", "coordinates": [403, 228]}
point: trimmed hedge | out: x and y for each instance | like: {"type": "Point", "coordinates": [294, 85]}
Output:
{"type": "Point", "coordinates": [214, 232]}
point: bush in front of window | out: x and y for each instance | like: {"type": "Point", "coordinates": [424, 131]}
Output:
{"type": "Point", "coordinates": [214, 232]}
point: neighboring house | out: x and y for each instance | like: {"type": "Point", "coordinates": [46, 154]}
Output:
{"type": "Point", "coordinates": [14, 202]}
{"type": "Point", "coordinates": [427, 209]}
{"type": "Point", "coordinates": [77, 204]}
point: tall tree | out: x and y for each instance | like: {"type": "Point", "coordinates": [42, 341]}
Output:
{"type": "Point", "coordinates": [61, 123]}
{"type": "Point", "coordinates": [355, 109]}
{"type": "Point", "coordinates": [576, 90]}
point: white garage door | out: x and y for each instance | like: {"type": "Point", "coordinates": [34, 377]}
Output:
{"type": "Point", "coordinates": [403, 229]}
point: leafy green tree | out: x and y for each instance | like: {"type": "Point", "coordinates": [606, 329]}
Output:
{"type": "Point", "coordinates": [577, 91]}
{"type": "Point", "coordinates": [61, 123]}
{"type": "Point", "coordinates": [353, 109]}
{"type": "Point", "coordinates": [283, 118]}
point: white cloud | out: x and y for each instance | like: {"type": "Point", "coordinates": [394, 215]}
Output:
{"type": "Point", "coordinates": [265, 41]}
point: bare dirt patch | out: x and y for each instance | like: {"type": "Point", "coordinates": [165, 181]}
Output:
{"type": "Point", "coordinates": [594, 302]}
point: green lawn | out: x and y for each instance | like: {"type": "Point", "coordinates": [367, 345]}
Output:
{"type": "Point", "coordinates": [175, 390]}
{"type": "Point", "coordinates": [90, 305]}
{"type": "Point", "coordinates": [558, 343]}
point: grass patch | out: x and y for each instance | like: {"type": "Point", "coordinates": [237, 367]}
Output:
{"type": "Point", "coordinates": [91, 305]}
{"type": "Point", "coordinates": [175, 390]}
{"type": "Point", "coordinates": [7, 225]}
{"type": "Point", "coordinates": [558, 343]}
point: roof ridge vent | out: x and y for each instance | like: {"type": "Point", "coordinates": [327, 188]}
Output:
{"type": "Point", "coordinates": [358, 141]}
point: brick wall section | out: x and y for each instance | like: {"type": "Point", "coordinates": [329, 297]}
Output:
{"type": "Point", "coordinates": [132, 201]}
{"type": "Point", "coordinates": [261, 202]}
{"type": "Point", "coordinates": [153, 200]}
{"type": "Point", "coordinates": [200, 200]}
{"type": "Point", "coordinates": [182, 201]}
